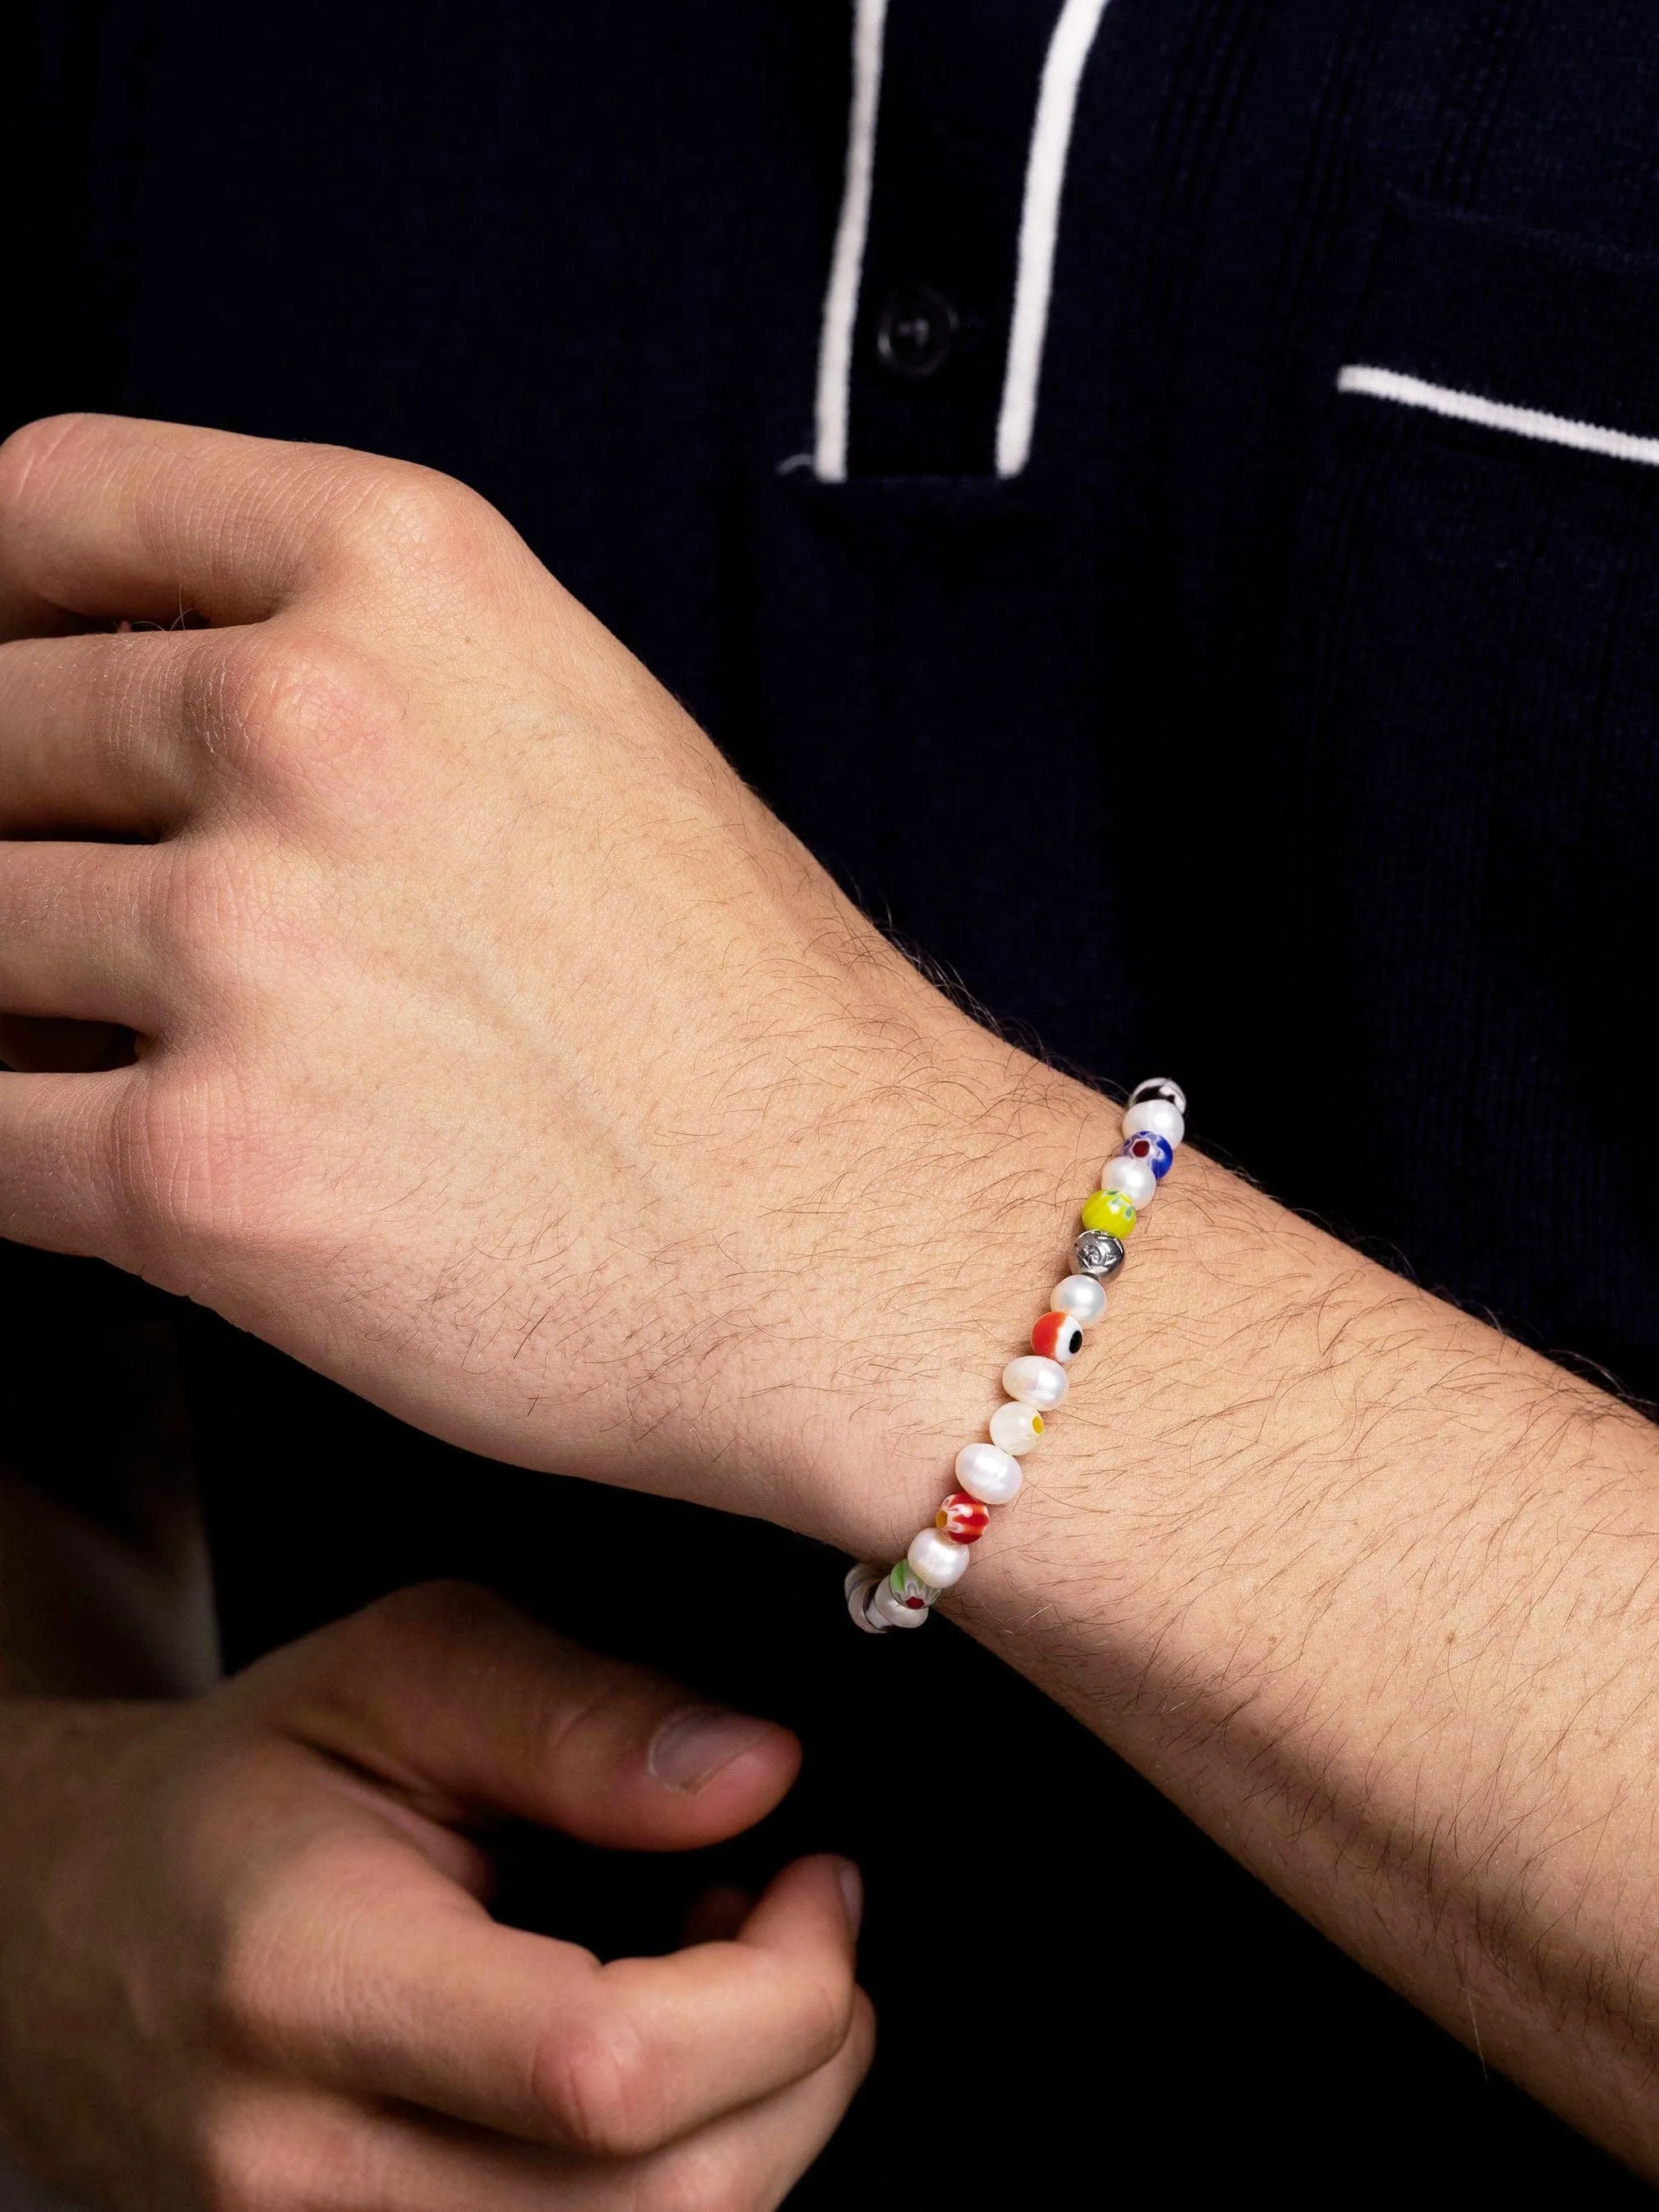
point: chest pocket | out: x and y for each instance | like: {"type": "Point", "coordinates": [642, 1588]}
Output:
{"type": "Point", "coordinates": [1476, 649]}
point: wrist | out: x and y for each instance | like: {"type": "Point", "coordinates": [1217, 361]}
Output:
{"type": "Point", "coordinates": [957, 1182]}
{"type": "Point", "coordinates": [1218, 1278]}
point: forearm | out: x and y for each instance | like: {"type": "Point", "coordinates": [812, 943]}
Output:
{"type": "Point", "coordinates": [644, 1160]}
{"type": "Point", "coordinates": [1364, 1587]}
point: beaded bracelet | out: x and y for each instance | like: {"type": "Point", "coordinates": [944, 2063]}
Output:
{"type": "Point", "coordinates": [1154, 1123]}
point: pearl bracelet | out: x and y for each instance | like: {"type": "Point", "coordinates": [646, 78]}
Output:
{"type": "Point", "coordinates": [1154, 1123]}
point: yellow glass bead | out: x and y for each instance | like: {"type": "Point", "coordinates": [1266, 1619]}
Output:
{"type": "Point", "coordinates": [1109, 1214]}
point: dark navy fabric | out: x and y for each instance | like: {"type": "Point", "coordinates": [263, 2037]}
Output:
{"type": "Point", "coordinates": [954, 129]}
{"type": "Point", "coordinates": [1293, 741]}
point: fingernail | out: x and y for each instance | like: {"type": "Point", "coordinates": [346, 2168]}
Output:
{"type": "Point", "coordinates": [691, 1748]}
{"type": "Point", "coordinates": [851, 1894]}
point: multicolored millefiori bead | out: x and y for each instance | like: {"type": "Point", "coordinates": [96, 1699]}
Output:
{"type": "Point", "coordinates": [898, 1600]}
{"type": "Point", "coordinates": [1111, 1213]}
{"type": "Point", "coordinates": [1154, 1125]}
{"type": "Point", "coordinates": [1157, 1151]}
{"type": "Point", "coordinates": [962, 1518]}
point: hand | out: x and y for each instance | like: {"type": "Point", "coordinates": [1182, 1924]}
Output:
{"type": "Point", "coordinates": [499, 1054]}
{"type": "Point", "coordinates": [244, 1961]}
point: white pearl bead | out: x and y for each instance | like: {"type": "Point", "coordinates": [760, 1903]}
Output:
{"type": "Point", "coordinates": [1034, 1381]}
{"type": "Point", "coordinates": [1158, 1115]}
{"type": "Point", "coordinates": [1015, 1429]}
{"type": "Point", "coordinates": [993, 1476]}
{"type": "Point", "coordinates": [936, 1559]}
{"type": "Point", "coordinates": [1081, 1296]}
{"type": "Point", "coordinates": [1133, 1177]}
{"type": "Point", "coordinates": [892, 1610]}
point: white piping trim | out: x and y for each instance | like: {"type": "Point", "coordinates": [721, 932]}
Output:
{"type": "Point", "coordinates": [1493, 414]}
{"type": "Point", "coordinates": [841, 299]}
{"type": "Point", "coordinates": [1039, 228]}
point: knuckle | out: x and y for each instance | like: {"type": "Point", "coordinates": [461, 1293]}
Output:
{"type": "Point", "coordinates": [191, 905]}
{"type": "Point", "coordinates": [254, 1992]}
{"type": "Point", "coordinates": [295, 1968]}
{"type": "Point", "coordinates": [242, 2160]}
{"type": "Point", "coordinates": [421, 1638]}
{"type": "Point", "coordinates": [604, 2090]}
{"type": "Point", "coordinates": [31, 450]}
{"type": "Point", "coordinates": [183, 1188]}
{"type": "Point", "coordinates": [155, 1176]}
{"type": "Point", "coordinates": [587, 1706]}
{"type": "Point", "coordinates": [394, 511]}
{"type": "Point", "coordinates": [238, 1993]}
{"type": "Point", "coordinates": [422, 1618]}
{"type": "Point", "coordinates": [284, 699]}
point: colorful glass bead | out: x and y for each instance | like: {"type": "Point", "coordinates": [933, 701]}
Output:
{"type": "Point", "coordinates": [1159, 1086]}
{"type": "Point", "coordinates": [990, 1473]}
{"type": "Point", "coordinates": [1037, 1381]}
{"type": "Point", "coordinates": [1058, 1336]}
{"type": "Point", "coordinates": [1110, 1213]}
{"type": "Point", "coordinates": [1157, 1151]}
{"type": "Point", "coordinates": [963, 1518]}
{"type": "Point", "coordinates": [1015, 1429]}
{"type": "Point", "coordinates": [936, 1560]}
{"type": "Point", "coordinates": [1131, 1177]}
{"type": "Point", "coordinates": [1158, 1115]}
{"type": "Point", "coordinates": [1094, 1254]}
{"type": "Point", "coordinates": [886, 1607]}
{"type": "Point", "coordinates": [1081, 1296]}
{"type": "Point", "coordinates": [911, 1589]}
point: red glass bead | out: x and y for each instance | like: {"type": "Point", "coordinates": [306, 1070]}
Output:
{"type": "Point", "coordinates": [1058, 1336]}
{"type": "Point", "coordinates": [963, 1519]}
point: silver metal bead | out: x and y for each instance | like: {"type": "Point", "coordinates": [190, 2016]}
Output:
{"type": "Point", "coordinates": [1097, 1254]}
{"type": "Point", "coordinates": [1160, 1086]}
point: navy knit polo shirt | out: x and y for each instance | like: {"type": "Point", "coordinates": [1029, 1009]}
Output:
{"type": "Point", "coordinates": [1164, 502]}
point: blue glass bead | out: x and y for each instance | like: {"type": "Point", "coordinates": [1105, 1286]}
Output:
{"type": "Point", "coordinates": [1157, 1151]}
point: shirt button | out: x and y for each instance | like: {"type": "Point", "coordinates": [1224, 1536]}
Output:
{"type": "Point", "coordinates": [915, 332]}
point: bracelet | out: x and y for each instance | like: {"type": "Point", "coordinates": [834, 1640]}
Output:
{"type": "Point", "coordinates": [1154, 1123]}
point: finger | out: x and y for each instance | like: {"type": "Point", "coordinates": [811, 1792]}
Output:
{"type": "Point", "coordinates": [464, 1703]}
{"type": "Point", "coordinates": [752, 2159]}
{"type": "Point", "coordinates": [75, 932]}
{"type": "Point", "coordinates": [92, 732]}
{"type": "Point", "coordinates": [717, 1916]}
{"type": "Point", "coordinates": [414, 1993]}
{"type": "Point", "coordinates": [102, 518]}
{"type": "Point", "coordinates": [331, 2154]}
{"type": "Point", "coordinates": [58, 1154]}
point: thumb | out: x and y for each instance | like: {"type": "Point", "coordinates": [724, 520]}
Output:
{"type": "Point", "coordinates": [463, 1704]}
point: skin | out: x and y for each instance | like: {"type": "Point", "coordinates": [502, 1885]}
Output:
{"type": "Point", "coordinates": [245, 1961]}
{"type": "Point", "coordinates": [501, 1056]}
